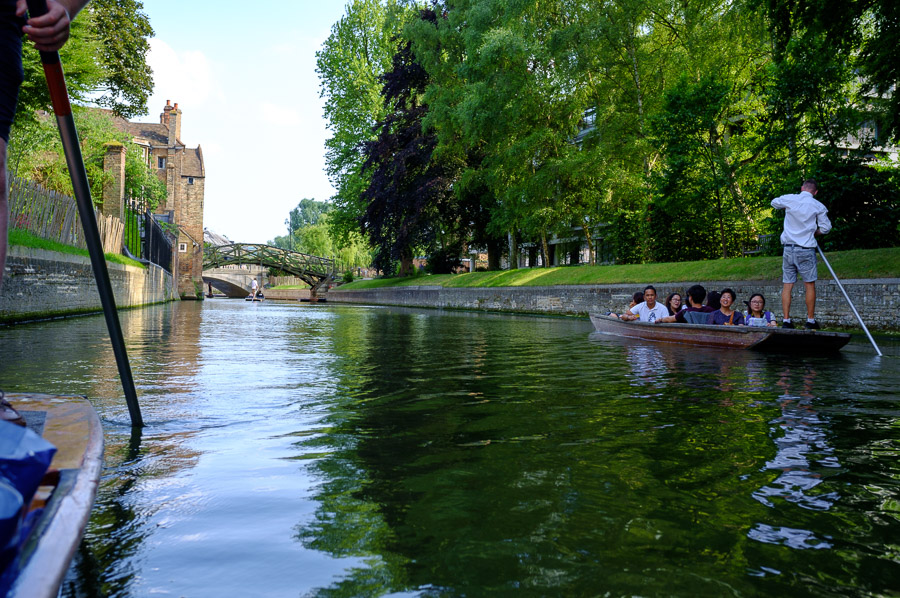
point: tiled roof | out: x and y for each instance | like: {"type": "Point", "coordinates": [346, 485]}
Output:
{"type": "Point", "coordinates": [215, 238]}
{"type": "Point", "coordinates": [193, 162]}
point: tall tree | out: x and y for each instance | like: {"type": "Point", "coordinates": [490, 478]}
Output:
{"type": "Point", "coordinates": [408, 196]}
{"type": "Point", "coordinates": [358, 50]}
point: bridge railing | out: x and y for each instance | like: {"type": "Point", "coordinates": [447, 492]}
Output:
{"type": "Point", "coordinates": [312, 269]}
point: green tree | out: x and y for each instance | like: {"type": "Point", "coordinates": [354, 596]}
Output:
{"type": "Point", "coordinates": [358, 50]}
{"type": "Point", "coordinates": [408, 198]}
{"type": "Point", "coordinates": [123, 31]}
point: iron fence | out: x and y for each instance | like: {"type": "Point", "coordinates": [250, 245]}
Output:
{"type": "Point", "coordinates": [145, 238]}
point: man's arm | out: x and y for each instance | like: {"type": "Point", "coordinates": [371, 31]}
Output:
{"type": "Point", "coordinates": [823, 223]}
{"type": "Point", "coordinates": [50, 31]}
{"type": "Point", "coordinates": [778, 203]}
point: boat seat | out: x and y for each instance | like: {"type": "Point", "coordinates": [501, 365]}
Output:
{"type": "Point", "coordinates": [696, 317]}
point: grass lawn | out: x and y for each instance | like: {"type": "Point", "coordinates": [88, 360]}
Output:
{"type": "Point", "coordinates": [859, 263]}
{"type": "Point", "coordinates": [27, 239]}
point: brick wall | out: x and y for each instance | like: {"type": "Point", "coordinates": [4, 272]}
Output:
{"type": "Point", "coordinates": [878, 300]}
{"type": "Point", "coordinates": [43, 284]}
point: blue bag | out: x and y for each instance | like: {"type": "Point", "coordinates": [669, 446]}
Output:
{"type": "Point", "coordinates": [24, 458]}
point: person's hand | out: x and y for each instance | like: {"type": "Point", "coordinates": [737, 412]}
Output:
{"type": "Point", "coordinates": [50, 31]}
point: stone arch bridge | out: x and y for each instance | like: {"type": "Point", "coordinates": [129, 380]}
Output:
{"type": "Point", "coordinates": [230, 268]}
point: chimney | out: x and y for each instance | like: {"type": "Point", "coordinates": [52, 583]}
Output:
{"type": "Point", "coordinates": [164, 116]}
{"type": "Point", "coordinates": [174, 121]}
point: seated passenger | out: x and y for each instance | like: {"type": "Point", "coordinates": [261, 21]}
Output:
{"type": "Point", "coordinates": [647, 311]}
{"type": "Point", "coordinates": [635, 299]}
{"type": "Point", "coordinates": [712, 300]}
{"type": "Point", "coordinates": [726, 315]}
{"type": "Point", "coordinates": [696, 294]}
{"type": "Point", "coordinates": [756, 314]}
{"type": "Point", "coordinates": [674, 304]}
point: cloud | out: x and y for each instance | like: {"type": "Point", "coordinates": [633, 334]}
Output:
{"type": "Point", "coordinates": [184, 77]}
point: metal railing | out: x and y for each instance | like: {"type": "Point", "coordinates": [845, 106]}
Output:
{"type": "Point", "coordinates": [145, 238]}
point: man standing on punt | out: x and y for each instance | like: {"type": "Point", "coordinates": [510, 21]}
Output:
{"type": "Point", "coordinates": [805, 218]}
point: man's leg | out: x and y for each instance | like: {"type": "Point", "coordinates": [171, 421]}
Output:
{"type": "Point", "coordinates": [786, 300]}
{"type": "Point", "coordinates": [810, 300]}
{"type": "Point", "coordinates": [4, 210]}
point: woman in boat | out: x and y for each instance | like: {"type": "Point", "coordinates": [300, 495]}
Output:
{"type": "Point", "coordinates": [756, 314]}
{"type": "Point", "coordinates": [674, 304]}
{"type": "Point", "coordinates": [726, 315]}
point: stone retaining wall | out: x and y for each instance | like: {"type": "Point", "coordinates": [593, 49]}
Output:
{"type": "Point", "coordinates": [877, 300]}
{"type": "Point", "coordinates": [41, 284]}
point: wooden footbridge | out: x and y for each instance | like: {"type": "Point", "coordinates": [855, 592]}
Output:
{"type": "Point", "coordinates": [313, 270]}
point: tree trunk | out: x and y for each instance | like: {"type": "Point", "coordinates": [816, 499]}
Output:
{"type": "Point", "coordinates": [548, 258]}
{"type": "Point", "coordinates": [406, 263]}
{"type": "Point", "coordinates": [590, 243]}
{"type": "Point", "coordinates": [513, 251]}
{"type": "Point", "coordinates": [721, 223]}
{"type": "Point", "coordinates": [495, 250]}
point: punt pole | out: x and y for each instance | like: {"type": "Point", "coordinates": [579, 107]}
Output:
{"type": "Point", "coordinates": [847, 297]}
{"type": "Point", "coordinates": [59, 96]}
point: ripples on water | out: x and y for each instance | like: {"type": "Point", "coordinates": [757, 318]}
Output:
{"type": "Point", "coordinates": [344, 451]}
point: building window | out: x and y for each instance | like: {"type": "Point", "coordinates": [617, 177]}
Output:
{"type": "Point", "coordinates": [160, 162]}
{"type": "Point", "coordinates": [182, 247]}
{"type": "Point", "coordinates": [190, 180]}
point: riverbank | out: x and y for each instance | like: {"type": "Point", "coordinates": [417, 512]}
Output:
{"type": "Point", "coordinates": [877, 300]}
{"type": "Point", "coordinates": [854, 264]}
{"type": "Point", "coordinates": [40, 284]}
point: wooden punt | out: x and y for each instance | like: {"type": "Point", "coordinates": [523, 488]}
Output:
{"type": "Point", "coordinates": [733, 337]}
{"type": "Point", "coordinates": [67, 497]}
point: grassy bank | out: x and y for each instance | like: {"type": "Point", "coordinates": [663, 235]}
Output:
{"type": "Point", "coordinates": [860, 263]}
{"type": "Point", "coordinates": [26, 239]}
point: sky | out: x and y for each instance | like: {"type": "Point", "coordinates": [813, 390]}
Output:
{"type": "Point", "coordinates": [247, 86]}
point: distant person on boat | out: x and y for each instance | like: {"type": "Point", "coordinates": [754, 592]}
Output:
{"type": "Point", "coordinates": [805, 218]}
{"type": "Point", "coordinates": [756, 314]}
{"type": "Point", "coordinates": [254, 288]}
{"type": "Point", "coordinates": [696, 294]}
{"type": "Point", "coordinates": [49, 32]}
{"type": "Point", "coordinates": [726, 315]}
{"type": "Point", "coordinates": [648, 310]}
{"type": "Point", "coordinates": [674, 304]}
{"type": "Point", "coordinates": [712, 300]}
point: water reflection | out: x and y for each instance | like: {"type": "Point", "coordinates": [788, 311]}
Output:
{"type": "Point", "coordinates": [349, 451]}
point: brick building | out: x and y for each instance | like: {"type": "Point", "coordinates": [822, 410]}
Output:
{"type": "Point", "coordinates": [181, 168]}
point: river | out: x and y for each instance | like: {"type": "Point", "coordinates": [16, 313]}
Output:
{"type": "Point", "coordinates": [318, 450]}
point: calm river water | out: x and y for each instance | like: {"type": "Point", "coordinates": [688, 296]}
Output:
{"type": "Point", "coordinates": [297, 450]}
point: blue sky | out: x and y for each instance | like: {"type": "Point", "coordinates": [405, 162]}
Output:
{"type": "Point", "coordinates": [247, 85]}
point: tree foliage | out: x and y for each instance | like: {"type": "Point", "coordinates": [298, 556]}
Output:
{"type": "Point", "coordinates": [658, 129]}
{"type": "Point", "coordinates": [408, 198]}
{"type": "Point", "coordinates": [358, 50]}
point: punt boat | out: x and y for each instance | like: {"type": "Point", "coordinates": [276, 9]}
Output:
{"type": "Point", "coordinates": [63, 502]}
{"type": "Point", "coordinates": [732, 337]}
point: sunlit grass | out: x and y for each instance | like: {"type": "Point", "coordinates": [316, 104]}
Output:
{"type": "Point", "coordinates": [859, 263]}
{"type": "Point", "coordinates": [24, 238]}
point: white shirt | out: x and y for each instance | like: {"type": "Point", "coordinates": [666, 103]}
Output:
{"type": "Point", "coordinates": [803, 215]}
{"type": "Point", "coordinates": [645, 314]}
{"type": "Point", "coordinates": [254, 284]}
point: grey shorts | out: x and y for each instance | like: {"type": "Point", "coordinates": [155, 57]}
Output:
{"type": "Point", "coordinates": [799, 260]}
